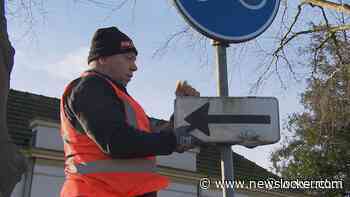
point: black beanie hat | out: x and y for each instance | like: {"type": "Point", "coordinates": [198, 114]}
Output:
{"type": "Point", "coordinates": [109, 41]}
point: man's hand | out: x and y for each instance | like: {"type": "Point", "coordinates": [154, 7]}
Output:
{"type": "Point", "coordinates": [184, 89]}
{"type": "Point", "coordinates": [184, 140]}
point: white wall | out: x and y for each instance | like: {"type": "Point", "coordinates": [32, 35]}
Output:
{"type": "Point", "coordinates": [48, 138]}
{"type": "Point", "coordinates": [48, 177]}
{"type": "Point", "coordinates": [219, 194]}
{"type": "Point", "coordinates": [179, 190]}
{"type": "Point", "coordinates": [19, 189]}
{"type": "Point", "coordinates": [184, 161]}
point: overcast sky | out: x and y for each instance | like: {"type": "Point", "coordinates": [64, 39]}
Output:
{"type": "Point", "coordinates": [54, 52]}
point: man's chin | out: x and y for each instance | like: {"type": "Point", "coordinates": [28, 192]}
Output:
{"type": "Point", "coordinates": [125, 83]}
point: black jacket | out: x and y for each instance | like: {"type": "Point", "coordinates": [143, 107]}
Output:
{"type": "Point", "coordinates": [95, 110]}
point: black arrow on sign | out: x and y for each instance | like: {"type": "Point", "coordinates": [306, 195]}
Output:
{"type": "Point", "coordinates": [200, 119]}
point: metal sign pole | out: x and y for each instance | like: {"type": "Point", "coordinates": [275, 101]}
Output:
{"type": "Point", "coordinates": [226, 152]}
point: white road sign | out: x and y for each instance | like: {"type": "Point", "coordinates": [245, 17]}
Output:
{"type": "Point", "coordinates": [247, 121]}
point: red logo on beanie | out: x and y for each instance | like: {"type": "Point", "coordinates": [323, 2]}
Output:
{"type": "Point", "coordinates": [126, 45]}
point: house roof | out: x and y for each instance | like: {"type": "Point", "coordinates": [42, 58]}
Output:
{"type": "Point", "coordinates": [23, 107]}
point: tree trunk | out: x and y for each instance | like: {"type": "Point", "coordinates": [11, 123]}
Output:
{"type": "Point", "coordinates": [12, 162]}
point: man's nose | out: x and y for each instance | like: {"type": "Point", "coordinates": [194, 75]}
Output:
{"type": "Point", "coordinates": [133, 67]}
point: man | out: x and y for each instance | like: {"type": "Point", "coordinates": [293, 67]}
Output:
{"type": "Point", "coordinates": [109, 143]}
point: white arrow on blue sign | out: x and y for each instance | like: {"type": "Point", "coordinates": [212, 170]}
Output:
{"type": "Point", "coordinates": [231, 21]}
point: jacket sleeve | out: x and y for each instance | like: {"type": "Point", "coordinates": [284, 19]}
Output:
{"type": "Point", "coordinates": [101, 115]}
{"type": "Point", "coordinates": [159, 124]}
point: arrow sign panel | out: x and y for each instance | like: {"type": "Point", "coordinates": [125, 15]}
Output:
{"type": "Point", "coordinates": [249, 121]}
{"type": "Point", "coordinates": [200, 119]}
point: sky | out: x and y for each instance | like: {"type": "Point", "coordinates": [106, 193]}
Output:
{"type": "Point", "coordinates": [54, 51]}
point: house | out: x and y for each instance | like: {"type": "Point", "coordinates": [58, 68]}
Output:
{"type": "Point", "coordinates": [33, 122]}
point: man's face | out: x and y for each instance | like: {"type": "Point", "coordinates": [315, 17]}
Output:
{"type": "Point", "coordinates": [121, 67]}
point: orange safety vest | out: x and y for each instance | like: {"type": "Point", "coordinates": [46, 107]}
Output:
{"type": "Point", "coordinates": [86, 163]}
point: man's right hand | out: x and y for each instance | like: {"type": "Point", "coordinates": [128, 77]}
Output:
{"type": "Point", "coordinates": [184, 140]}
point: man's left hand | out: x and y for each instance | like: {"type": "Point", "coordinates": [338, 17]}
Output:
{"type": "Point", "coordinates": [185, 89]}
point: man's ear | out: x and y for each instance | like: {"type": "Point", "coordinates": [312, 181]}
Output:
{"type": "Point", "coordinates": [102, 60]}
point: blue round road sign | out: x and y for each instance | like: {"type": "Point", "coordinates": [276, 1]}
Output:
{"type": "Point", "coordinates": [229, 20]}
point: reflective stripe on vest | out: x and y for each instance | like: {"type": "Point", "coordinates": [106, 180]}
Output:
{"type": "Point", "coordinates": [130, 114]}
{"type": "Point", "coordinates": [114, 165]}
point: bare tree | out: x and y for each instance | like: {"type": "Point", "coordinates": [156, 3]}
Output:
{"type": "Point", "coordinates": [12, 162]}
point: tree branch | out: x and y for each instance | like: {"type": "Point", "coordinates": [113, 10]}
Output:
{"type": "Point", "coordinates": [170, 39]}
{"type": "Point", "coordinates": [344, 8]}
{"type": "Point", "coordinates": [333, 29]}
